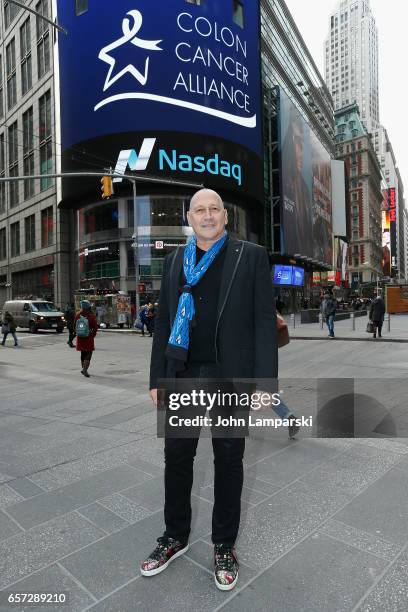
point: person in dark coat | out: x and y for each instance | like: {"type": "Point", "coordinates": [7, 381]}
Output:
{"type": "Point", "coordinates": [70, 319]}
{"type": "Point", "coordinates": [225, 285]}
{"type": "Point", "coordinates": [376, 314]}
{"type": "Point", "coordinates": [86, 345]}
{"type": "Point", "coordinates": [9, 327]}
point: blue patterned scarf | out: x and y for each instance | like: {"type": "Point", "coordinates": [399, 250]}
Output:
{"type": "Point", "coordinates": [179, 340]}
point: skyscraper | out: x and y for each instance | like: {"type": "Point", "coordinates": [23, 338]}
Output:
{"type": "Point", "coordinates": [351, 59]}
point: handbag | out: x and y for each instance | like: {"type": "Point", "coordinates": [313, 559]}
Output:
{"type": "Point", "coordinates": [283, 332]}
{"type": "Point", "coordinates": [5, 328]}
{"type": "Point", "coordinates": [370, 327]}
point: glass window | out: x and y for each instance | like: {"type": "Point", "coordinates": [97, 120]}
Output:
{"type": "Point", "coordinates": [81, 7]}
{"type": "Point", "coordinates": [15, 239]}
{"type": "Point", "coordinates": [2, 173]}
{"type": "Point", "coordinates": [238, 13]}
{"type": "Point", "coordinates": [28, 152]}
{"type": "Point", "coordinates": [13, 162]}
{"type": "Point", "coordinates": [3, 243]}
{"type": "Point", "coordinates": [10, 12]}
{"type": "Point", "coordinates": [11, 74]}
{"type": "Point", "coordinates": [43, 39]}
{"type": "Point", "coordinates": [47, 227]}
{"type": "Point", "coordinates": [1, 88]}
{"type": "Point", "coordinates": [25, 53]}
{"type": "Point", "coordinates": [46, 162]}
{"type": "Point", "coordinates": [29, 223]}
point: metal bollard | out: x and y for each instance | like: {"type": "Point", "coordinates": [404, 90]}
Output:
{"type": "Point", "coordinates": [389, 322]}
{"type": "Point", "coordinates": [321, 320]}
{"type": "Point", "coordinates": [293, 320]}
{"type": "Point", "coordinates": [353, 321]}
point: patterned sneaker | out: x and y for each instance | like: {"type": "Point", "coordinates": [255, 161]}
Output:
{"type": "Point", "coordinates": [167, 550]}
{"type": "Point", "coordinates": [225, 567]}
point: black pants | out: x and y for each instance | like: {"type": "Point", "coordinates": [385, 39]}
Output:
{"type": "Point", "coordinates": [179, 456]}
{"type": "Point", "coordinates": [378, 324]}
{"type": "Point", "coordinates": [71, 331]}
{"type": "Point", "coordinates": [86, 356]}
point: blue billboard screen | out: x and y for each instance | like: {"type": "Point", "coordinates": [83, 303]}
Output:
{"type": "Point", "coordinates": [282, 275]}
{"type": "Point", "coordinates": [185, 76]}
{"type": "Point", "coordinates": [298, 277]}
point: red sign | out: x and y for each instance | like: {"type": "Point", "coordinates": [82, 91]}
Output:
{"type": "Point", "coordinates": [141, 288]}
{"type": "Point", "coordinates": [392, 204]}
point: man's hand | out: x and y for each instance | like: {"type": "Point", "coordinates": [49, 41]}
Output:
{"type": "Point", "coordinates": [153, 395]}
{"type": "Point", "coordinates": [158, 397]}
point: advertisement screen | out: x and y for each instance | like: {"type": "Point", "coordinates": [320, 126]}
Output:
{"type": "Point", "coordinates": [171, 89]}
{"type": "Point", "coordinates": [392, 214]}
{"type": "Point", "coordinates": [282, 275]}
{"type": "Point", "coordinates": [306, 188]}
{"type": "Point", "coordinates": [298, 277]}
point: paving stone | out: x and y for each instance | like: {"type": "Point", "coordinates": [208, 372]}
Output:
{"type": "Point", "coordinates": [25, 487]}
{"type": "Point", "coordinates": [7, 526]}
{"type": "Point", "coordinates": [352, 471]}
{"type": "Point", "coordinates": [361, 539]}
{"type": "Point", "coordinates": [49, 505]}
{"type": "Point", "coordinates": [334, 577]}
{"type": "Point", "coordinates": [113, 561]}
{"type": "Point", "coordinates": [149, 495]}
{"type": "Point", "coordinates": [292, 463]}
{"type": "Point", "coordinates": [184, 587]}
{"type": "Point", "coordinates": [8, 496]}
{"type": "Point", "coordinates": [124, 507]}
{"type": "Point", "coordinates": [28, 552]}
{"type": "Point", "coordinates": [50, 580]}
{"type": "Point", "coordinates": [146, 466]}
{"type": "Point", "coordinates": [103, 518]}
{"type": "Point", "coordinates": [391, 593]}
{"type": "Point", "coordinates": [382, 508]}
{"type": "Point", "coordinates": [275, 525]}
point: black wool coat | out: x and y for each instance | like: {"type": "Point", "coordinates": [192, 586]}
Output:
{"type": "Point", "coordinates": [245, 339]}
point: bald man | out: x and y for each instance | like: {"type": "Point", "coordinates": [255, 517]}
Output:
{"type": "Point", "coordinates": [216, 320]}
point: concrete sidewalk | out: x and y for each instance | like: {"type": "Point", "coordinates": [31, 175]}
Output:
{"type": "Point", "coordinates": [324, 521]}
{"type": "Point", "coordinates": [343, 330]}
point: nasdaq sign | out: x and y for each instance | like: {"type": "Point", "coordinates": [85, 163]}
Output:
{"type": "Point", "coordinates": [170, 70]}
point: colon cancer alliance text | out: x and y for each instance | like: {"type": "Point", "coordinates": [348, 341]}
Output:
{"type": "Point", "coordinates": [231, 421]}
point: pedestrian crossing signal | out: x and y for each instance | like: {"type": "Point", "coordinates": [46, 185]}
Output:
{"type": "Point", "coordinates": [106, 187]}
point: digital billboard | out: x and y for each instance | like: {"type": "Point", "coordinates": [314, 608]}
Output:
{"type": "Point", "coordinates": [392, 211]}
{"type": "Point", "coordinates": [288, 275]}
{"type": "Point", "coordinates": [169, 89]}
{"type": "Point", "coordinates": [282, 275]}
{"type": "Point", "coordinates": [298, 277]}
{"type": "Point", "coordinates": [306, 187]}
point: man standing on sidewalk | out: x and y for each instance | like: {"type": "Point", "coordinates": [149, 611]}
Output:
{"type": "Point", "coordinates": [224, 287]}
{"type": "Point", "coordinates": [376, 313]}
{"type": "Point", "coordinates": [329, 307]}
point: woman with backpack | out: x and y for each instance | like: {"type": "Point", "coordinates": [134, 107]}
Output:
{"type": "Point", "coordinates": [8, 327]}
{"type": "Point", "coordinates": [86, 328]}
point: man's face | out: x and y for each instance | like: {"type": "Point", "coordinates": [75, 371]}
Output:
{"type": "Point", "coordinates": [207, 216]}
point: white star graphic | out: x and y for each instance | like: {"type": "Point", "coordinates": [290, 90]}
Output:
{"type": "Point", "coordinates": [129, 35]}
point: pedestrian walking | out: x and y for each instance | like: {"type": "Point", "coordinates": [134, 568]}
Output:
{"type": "Point", "coordinates": [86, 328]}
{"type": "Point", "coordinates": [143, 318]}
{"type": "Point", "coordinates": [70, 320]}
{"type": "Point", "coordinates": [226, 285]}
{"type": "Point", "coordinates": [376, 314]}
{"type": "Point", "coordinates": [151, 315]}
{"type": "Point", "coordinates": [328, 308]}
{"type": "Point", "coordinates": [8, 327]}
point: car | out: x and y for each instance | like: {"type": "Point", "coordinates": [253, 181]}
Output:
{"type": "Point", "coordinates": [35, 315]}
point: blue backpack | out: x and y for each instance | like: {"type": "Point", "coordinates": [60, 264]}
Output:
{"type": "Point", "coordinates": [82, 327]}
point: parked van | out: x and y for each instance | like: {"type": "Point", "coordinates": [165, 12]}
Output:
{"type": "Point", "coordinates": [35, 315]}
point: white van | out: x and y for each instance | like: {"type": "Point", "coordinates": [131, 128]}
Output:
{"type": "Point", "coordinates": [35, 315]}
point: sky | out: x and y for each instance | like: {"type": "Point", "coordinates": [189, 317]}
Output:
{"type": "Point", "coordinates": [312, 18]}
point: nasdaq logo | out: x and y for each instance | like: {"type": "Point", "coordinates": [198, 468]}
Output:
{"type": "Point", "coordinates": [173, 161]}
{"type": "Point", "coordinates": [135, 161]}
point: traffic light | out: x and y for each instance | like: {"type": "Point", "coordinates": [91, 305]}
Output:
{"type": "Point", "coordinates": [106, 187]}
